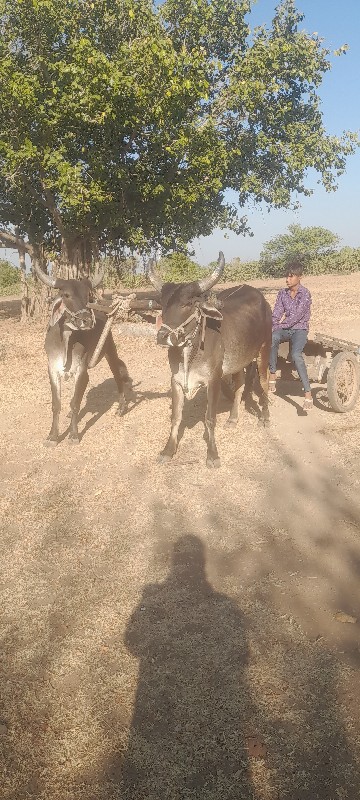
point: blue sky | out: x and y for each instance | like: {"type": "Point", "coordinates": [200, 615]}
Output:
{"type": "Point", "coordinates": [338, 23]}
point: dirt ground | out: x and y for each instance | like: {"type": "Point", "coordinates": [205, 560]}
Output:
{"type": "Point", "coordinates": [171, 631]}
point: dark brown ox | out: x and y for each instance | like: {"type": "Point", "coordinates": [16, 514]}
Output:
{"type": "Point", "coordinates": [208, 339]}
{"type": "Point", "coordinates": [71, 338]}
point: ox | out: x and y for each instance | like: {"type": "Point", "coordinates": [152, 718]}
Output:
{"type": "Point", "coordinates": [71, 338]}
{"type": "Point", "coordinates": [210, 338]}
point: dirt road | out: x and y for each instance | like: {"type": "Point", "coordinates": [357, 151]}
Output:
{"type": "Point", "coordinates": [177, 632]}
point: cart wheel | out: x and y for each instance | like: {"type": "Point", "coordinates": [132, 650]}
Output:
{"type": "Point", "coordinates": [343, 382]}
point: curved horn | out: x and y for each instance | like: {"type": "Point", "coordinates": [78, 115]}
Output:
{"type": "Point", "coordinates": [98, 277]}
{"type": "Point", "coordinates": [207, 283]}
{"type": "Point", "coordinates": [155, 279]}
{"type": "Point", "coordinates": [42, 275]}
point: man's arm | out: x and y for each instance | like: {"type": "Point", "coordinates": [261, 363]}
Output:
{"type": "Point", "coordinates": [278, 311]}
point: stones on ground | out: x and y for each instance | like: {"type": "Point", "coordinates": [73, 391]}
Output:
{"type": "Point", "coordinates": [340, 616]}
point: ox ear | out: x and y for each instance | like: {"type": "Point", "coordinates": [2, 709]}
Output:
{"type": "Point", "coordinates": [210, 311]}
{"type": "Point", "coordinates": [57, 311]}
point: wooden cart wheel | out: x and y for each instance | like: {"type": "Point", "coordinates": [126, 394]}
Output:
{"type": "Point", "coordinates": [343, 382]}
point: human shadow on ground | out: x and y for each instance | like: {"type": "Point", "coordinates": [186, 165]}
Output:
{"type": "Point", "coordinates": [187, 736]}
{"type": "Point", "coordinates": [210, 668]}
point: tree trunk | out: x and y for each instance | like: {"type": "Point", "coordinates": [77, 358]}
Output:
{"type": "Point", "coordinates": [24, 286]}
{"type": "Point", "coordinates": [38, 306]}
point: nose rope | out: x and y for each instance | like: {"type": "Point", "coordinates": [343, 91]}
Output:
{"type": "Point", "coordinates": [181, 328]}
{"type": "Point", "coordinates": [188, 342]}
{"type": "Point", "coordinates": [73, 315]}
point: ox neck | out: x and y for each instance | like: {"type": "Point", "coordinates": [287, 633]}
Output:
{"type": "Point", "coordinates": [192, 347]}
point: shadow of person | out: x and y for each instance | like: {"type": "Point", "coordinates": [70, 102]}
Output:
{"type": "Point", "coordinates": [187, 732]}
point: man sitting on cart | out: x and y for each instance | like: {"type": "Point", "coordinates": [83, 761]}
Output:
{"type": "Point", "coordinates": [290, 318]}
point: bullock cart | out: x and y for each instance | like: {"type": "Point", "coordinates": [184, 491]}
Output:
{"type": "Point", "coordinates": [331, 361]}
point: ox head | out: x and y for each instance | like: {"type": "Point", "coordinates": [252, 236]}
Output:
{"type": "Point", "coordinates": [72, 300]}
{"type": "Point", "coordinates": [184, 305]}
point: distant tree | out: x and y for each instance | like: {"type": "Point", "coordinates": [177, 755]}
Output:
{"type": "Point", "coordinates": [178, 268]}
{"type": "Point", "coordinates": [237, 270]}
{"type": "Point", "coordinates": [301, 244]}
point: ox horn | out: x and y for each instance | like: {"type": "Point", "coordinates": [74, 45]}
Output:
{"type": "Point", "coordinates": [207, 283]}
{"type": "Point", "coordinates": [43, 276]}
{"type": "Point", "coordinates": [154, 277]}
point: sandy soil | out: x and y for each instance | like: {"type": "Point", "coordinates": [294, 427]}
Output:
{"type": "Point", "coordinates": [178, 632]}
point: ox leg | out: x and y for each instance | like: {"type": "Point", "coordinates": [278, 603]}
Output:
{"type": "Point", "coordinates": [247, 396]}
{"type": "Point", "coordinates": [213, 392]}
{"type": "Point", "coordinates": [177, 405]}
{"type": "Point", "coordinates": [81, 382]}
{"type": "Point", "coordinates": [120, 374]}
{"type": "Point", "coordinates": [238, 380]}
{"type": "Point", "coordinates": [55, 384]}
{"type": "Point", "coordinates": [263, 370]}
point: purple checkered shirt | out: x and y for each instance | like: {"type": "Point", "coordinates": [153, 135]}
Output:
{"type": "Point", "coordinates": [292, 312]}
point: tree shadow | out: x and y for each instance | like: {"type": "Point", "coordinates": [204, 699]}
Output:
{"type": "Point", "coordinates": [10, 308]}
{"type": "Point", "coordinates": [187, 731]}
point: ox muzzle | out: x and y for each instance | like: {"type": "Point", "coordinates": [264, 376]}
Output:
{"type": "Point", "coordinates": [83, 320]}
{"type": "Point", "coordinates": [180, 336]}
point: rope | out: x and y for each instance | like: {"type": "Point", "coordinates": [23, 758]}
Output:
{"type": "Point", "coordinates": [119, 309]}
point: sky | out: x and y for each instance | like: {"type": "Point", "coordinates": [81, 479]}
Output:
{"type": "Point", "coordinates": [338, 23]}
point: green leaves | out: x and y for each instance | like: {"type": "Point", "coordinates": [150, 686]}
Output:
{"type": "Point", "coordinates": [127, 120]}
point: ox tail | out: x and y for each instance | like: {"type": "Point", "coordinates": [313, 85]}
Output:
{"type": "Point", "coordinates": [263, 371]}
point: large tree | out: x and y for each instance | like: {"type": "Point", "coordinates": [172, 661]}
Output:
{"type": "Point", "coordinates": [124, 121]}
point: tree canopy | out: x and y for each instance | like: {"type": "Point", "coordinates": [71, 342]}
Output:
{"type": "Point", "coordinates": [124, 121]}
{"type": "Point", "coordinates": [299, 244]}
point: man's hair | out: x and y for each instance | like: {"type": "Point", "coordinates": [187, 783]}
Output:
{"type": "Point", "coordinates": [294, 268]}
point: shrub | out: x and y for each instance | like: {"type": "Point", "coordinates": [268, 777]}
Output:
{"type": "Point", "coordinates": [9, 275]}
{"type": "Point", "coordinates": [7, 291]}
{"type": "Point", "coordinates": [179, 268]}
{"type": "Point", "coordinates": [238, 270]}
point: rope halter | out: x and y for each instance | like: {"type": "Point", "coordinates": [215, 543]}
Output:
{"type": "Point", "coordinates": [180, 333]}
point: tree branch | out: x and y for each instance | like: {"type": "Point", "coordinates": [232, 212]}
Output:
{"type": "Point", "coordinates": [8, 239]}
{"type": "Point", "coordinates": [54, 211]}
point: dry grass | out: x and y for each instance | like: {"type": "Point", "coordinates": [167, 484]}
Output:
{"type": "Point", "coordinates": [155, 619]}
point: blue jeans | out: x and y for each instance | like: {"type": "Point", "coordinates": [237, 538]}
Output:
{"type": "Point", "coordinates": [297, 339]}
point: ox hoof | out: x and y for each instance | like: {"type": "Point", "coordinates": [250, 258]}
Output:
{"type": "Point", "coordinates": [163, 458]}
{"type": "Point", "coordinates": [231, 423]}
{"type": "Point", "coordinates": [264, 423]}
{"type": "Point", "coordinates": [213, 463]}
{"type": "Point", "coordinates": [50, 442]}
{"type": "Point", "coordinates": [73, 440]}
{"type": "Point", "coordinates": [252, 410]}
{"type": "Point", "coordinates": [121, 410]}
